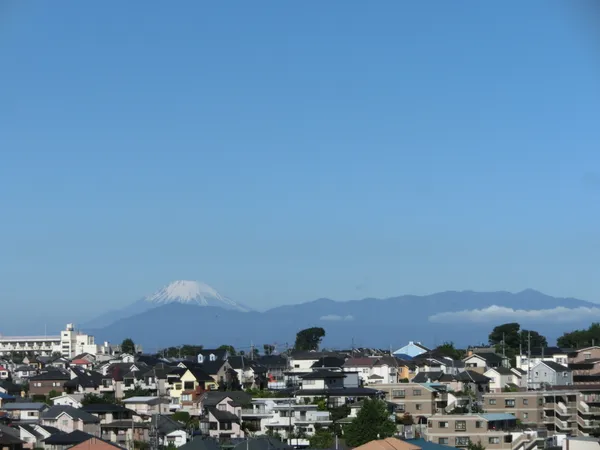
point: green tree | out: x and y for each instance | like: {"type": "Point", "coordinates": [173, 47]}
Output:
{"type": "Point", "coordinates": [229, 348]}
{"type": "Point", "coordinates": [89, 399]}
{"type": "Point", "coordinates": [322, 438]}
{"type": "Point", "coordinates": [181, 416]}
{"type": "Point", "coordinates": [475, 446]}
{"type": "Point", "coordinates": [372, 422]}
{"type": "Point", "coordinates": [309, 339]}
{"type": "Point", "coordinates": [448, 349]}
{"type": "Point", "coordinates": [268, 349]}
{"type": "Point", "coordinates": [137, 392]}
{"type": "Point", "coordinates": [128, 346]}
{"type": "Point", "coordinates": [580, 338]}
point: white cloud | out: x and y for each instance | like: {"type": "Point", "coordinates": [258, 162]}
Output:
{"type": "Point", "coordinates": [496, 313]}
{"type": "Point", "coordinates": [333, 317]}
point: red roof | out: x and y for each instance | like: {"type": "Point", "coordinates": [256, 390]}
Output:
{"type": "Point", "coordinates": [80, 361]}
{"type": "Point", "coordinates": [2, 368]}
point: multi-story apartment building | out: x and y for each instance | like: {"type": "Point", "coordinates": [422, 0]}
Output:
{"type": "Point", "coordinates": [558, 411]}
{"type": "Point", "coordinates": [418, 400]}
{"type": "Point", "coordinates": [492, 431]}
{"type": "Point", "coordinates": [293, 420]}
{"type": "Point", "coordinates": [69, 343]}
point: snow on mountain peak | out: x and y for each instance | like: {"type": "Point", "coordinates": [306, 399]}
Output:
{"type": "Point", "coordinates": [192, 292]}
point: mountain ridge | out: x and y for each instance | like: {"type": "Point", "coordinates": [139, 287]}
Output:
{"type": "Point", "coordinates": [459, 316]}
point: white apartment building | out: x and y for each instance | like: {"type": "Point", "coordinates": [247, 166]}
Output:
{"type": "Point", "coordinates": [294, 421]}
{"type": "Point", "coordinates": [69, 343]}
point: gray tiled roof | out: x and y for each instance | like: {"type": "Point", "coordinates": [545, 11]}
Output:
{"type": "Point", "coordinates": [75, 413]}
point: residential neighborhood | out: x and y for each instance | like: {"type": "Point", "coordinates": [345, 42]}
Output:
{"type": "Point", "coordinates": [119, 396]}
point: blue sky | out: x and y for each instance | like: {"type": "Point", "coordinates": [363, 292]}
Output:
{"type": "Point", "coordinates": [285, 151]}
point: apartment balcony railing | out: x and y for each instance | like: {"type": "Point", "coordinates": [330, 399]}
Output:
{"type": "Point", "coordinates": [256, 412]}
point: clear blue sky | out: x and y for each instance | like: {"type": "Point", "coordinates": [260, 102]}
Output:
{"type": "Point", "coordinates": [285, 151]}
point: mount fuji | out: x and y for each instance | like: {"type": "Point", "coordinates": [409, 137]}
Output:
{"type": "Point", "coordinates": [186, 292]}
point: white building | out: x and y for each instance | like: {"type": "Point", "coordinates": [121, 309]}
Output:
{"type": "Point", "coordinates": [69, 343]}
{"type": "Point", "coordinates": [279, 415]}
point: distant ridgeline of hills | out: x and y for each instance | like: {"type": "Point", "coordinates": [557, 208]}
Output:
{"type": "Point", "coordinates": [189, 312]}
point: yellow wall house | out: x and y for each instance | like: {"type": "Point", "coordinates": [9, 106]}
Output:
{"type": "Point", "coordinates": [189, 381]}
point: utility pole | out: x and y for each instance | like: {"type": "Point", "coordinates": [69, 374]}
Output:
{"type": "Point", "coordinates": [528, 360]}
{"type": "Point", "coordinates": [352, 346]}
{"type": "Point", "coordinates": [503, 347]}
{"type": "Point", "coordinates": [251, 351]}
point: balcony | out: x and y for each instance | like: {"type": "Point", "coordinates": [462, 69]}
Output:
{"type": "Point", "coordinates": [256, 412]}
{"type": "Point", "coordinates": [313, 419]}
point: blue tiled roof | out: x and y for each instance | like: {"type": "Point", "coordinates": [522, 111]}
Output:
{"type": "Point", "coordinates": [4, 396]}
{"type": "Point", "coordinates": [498, 416]}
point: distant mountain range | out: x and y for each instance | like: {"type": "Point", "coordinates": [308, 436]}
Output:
{"type": "Point", "coordinates": [188, 312]}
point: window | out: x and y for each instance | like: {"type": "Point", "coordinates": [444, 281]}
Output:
{"type": "Point", "coordinates": [537, 374]}
{"type": "Point", "coordinates": [492, 401]}
{"type": "Point", "coordinates": [525, 415]}
{"type": "Point", "coordinates": [587, 356]}
{"type": "Point", "coordinates": [398, 393]}
{"type": "Point", "coordinates": [400, 407]}
{"type": "Point", "coordinates": [460, 425]}
{"type": "Point", "coordinates": [178, 386]}
{"type": "Point", "coordinates": [443, 441]}
{"type": "Point", "coordinates": [31, 414]}
{"type": "Point", "coordinates": [565, 374]}
{"type": "Point", "coordinates": [188, 385]}
{"type": "Point", "coordinates": [418, 407]}
{"type": "Point", "coordinates": [462, 441]}
{"type": "Point", "coordinates": [443, 424]}
{"type": "Point", "coordinates": [212, 357]}
{"type": "Point", "coordinates": [416, 392]}
{"type": "Point", "coordinates": [526, 401]}
{"type": "Point", "coordinates": [65, 423]}
{"type": "Point", "coordinates": [296, 366]}
{"type": "Point", "coordinates": [540, 401]}
{"type": "Point", "coordinates": [478, 424]}
{"type": "Point", "coordinates": [509, 403]}
{"type": "Point", "coordinates": [222, 407]}
{"type": "Point", "coordinates": [494, 440]}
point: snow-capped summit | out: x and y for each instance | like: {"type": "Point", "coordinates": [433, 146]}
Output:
{"type": "Point", "coordinates": [192, 292]}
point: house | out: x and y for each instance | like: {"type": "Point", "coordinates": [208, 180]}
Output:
{"type": "Point", "coordinates": [362, 366]}
{"type": "Point", "coordinates": [411, 350]}
{"type": "Point", "coordinates": [125, 432]}
{"type": "Point", "coordinates": [192, 383]}
{"type": "Point", "coordinates": [108, 412]}
{"type": "Point", "coordinates": [46, 382]}
{"type": "Point", "coordinates": [261, 443]}
{"type": "Point", "coordinates": [221, 418]}
{"type": "Point", "coordinates": [10, 439]}
{"type": "Point", "coordinates": [338, 387]}
{"type": "Point", "coordinates": [10, 388]}
{"type": "Point", "coordinates": [68, 419]}
{"type": "Point", "coordinates": [275, 366]}
{"type": "Point", "coordinates": [84, 381]}
{"type": "Point", "coordinates": [302, 361]}
{"type": "Point", "coordinates": [65, 399]}
{"type": "Point", "coordinates": [526, 360]}
{"type": "Point", "coordinates": [26, 412]}
{"type": "Point", "coordinates": [212, 355]}
{"type": "Point", "coordinates": [586, 373]}
{"type": "Point", "coordinates": [480, 362]}
{"type": "Point", "coordinates": [248, 371]}
{"type": "Point", "coordinates": [502, 377]}
{"type": "Point", "coordinates": [584, 354]}
{"type": "Point", "coordinates": [4, 373]}
{"type": "Point", "coordinates": [95, 443]}
{"type": "Point", "coordinates": [147, 406]}
{"type": "Point", "coordinates": [24, 372]}
{"type": "Point", "coordinates": [30, 436]}
{"type": "Point", "coordinates": [83, 363]}
{"type": "Point", "coordinates": [388, 444]}
{"type": "Point", "coordinates": [170, 432]}
{"type": "Point", "coordinates": [549, 373]}
{"type": "Point", "coordinates": [5, 398]}
{"type": "Point", "coordinates": [61, 440]}
{"type": "Point", "coordinates": [200, 442]}
{"type": "Point", "coordinates": [217, 367]}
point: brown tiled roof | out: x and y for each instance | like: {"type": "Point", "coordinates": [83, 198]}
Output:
{"type": "Point", "coordinates": [388, 444]}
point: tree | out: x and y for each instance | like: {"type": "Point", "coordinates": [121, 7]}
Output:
{"type": "Point", "coordinates": [229, 348]}
{"type": "Point", "coordinates": [580, 338]}
{"type": "Point", "coordinates": [268, 349]}
{"type": "Point", "coordinates": [322, 438]}
{"type": "Point", "coordinates": [372, 422]}
{"type": "Point", "coordinates": [137, 392]}
{"type": "Point", "coordinates": [309, 339]}
{"type": "Point", "coordinates": [181, 417]}
{"type": "Point", "coordinates": [128, 346]}
{"type": "Point", "coordinates": [90, 399]}
{"type": "Point", "coordinates": [475, 446]}
{"type": "Point", "coordinates": [448, 349]}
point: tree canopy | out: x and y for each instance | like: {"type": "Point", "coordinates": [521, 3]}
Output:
{"type": "Point", "coordinates": [322, 438]}
{"type": "Point", "coordinates": [128, 346]}
{"type": "Point", "coordinates": [181, 351]}
{"type": "Point", "coordinates": [268, 349]}
{"type": "Point", "coordinates": [515, 337]}
{"type": "Point", "coordinates": [580, 338]}
{"type": "Point", "coordinates": [309, 339]}
{"type": "Point", "coordinates": [448, 349]}
{"type": "Point", "coordinates": [372, 422]}
{"type": "Point", "coordinates": [229, 348]}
